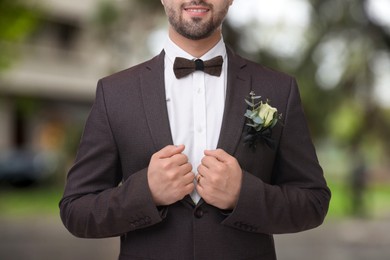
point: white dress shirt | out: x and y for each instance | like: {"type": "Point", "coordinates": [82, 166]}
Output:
{"type": "Point", "coordinates": [195, 104]}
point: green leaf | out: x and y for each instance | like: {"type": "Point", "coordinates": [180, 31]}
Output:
{"type": "Point", "coordinates": [258, 104]}
{"type": "Point", "coordinates": [258, 120]}
{"type": "Point", "coordinates": [259, 128]}
{"type": "Point", "coordinates": [248, 113]}
{"type": "Point", "coordinates": [249, 103]}
{"type": "Point", "coordinates": [274, 121]}
{"type": "Point", "coordinates": [254, 114]}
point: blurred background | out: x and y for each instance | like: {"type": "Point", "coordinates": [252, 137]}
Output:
{"type": "Point", "coordinates": [53, 52]}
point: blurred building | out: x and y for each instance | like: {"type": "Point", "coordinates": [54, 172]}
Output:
{"type": "Point", "coordinates": [46, 94]}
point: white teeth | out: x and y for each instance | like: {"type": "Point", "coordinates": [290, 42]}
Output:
{"type": "Point", "coordinates": [197, 10]}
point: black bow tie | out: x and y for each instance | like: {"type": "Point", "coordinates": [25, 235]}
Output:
{"type": "Point", "coordinates": [183, 67]}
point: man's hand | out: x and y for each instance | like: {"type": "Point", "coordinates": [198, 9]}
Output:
{"type": "Point", "coordinates": [170, 175]}
{"type": "Point", "coordinates": [220, 179]}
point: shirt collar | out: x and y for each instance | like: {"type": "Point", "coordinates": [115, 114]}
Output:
{"type": "Point", "coordinates": [172, 51]}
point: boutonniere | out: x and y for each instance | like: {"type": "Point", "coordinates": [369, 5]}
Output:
{"type": "Point", "coordinates": [261, 118]}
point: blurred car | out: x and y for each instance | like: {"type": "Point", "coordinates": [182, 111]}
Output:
{"type": "Point", "coordinates": [23, 168]}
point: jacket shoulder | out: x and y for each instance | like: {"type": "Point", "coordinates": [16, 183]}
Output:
{"type": "Point", "coordinates": [260, 70]}
{"type": "Point", "coordinates": [130, 74]}
{"type": "Point", "coordinates": [255, 69]}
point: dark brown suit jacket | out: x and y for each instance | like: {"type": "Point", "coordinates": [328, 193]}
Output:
{"type": "Point", "coordinates": [107, 194]}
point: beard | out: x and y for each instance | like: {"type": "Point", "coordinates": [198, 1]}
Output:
{"type": "Point", "coordinates": [196, 28]}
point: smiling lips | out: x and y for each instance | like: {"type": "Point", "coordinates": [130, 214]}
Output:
{"type": "Point", "coordinates": [197, 10]}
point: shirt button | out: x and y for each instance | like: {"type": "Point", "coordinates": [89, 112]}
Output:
{"type": "Point", "coordinates": [200, 130]}
{"type": "Point", "coordinates": [199, 213]}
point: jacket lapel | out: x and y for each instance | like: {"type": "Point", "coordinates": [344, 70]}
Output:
{"type": "Point", "coordinates": [154, 101]}
{"type": "Point", "coordinates": [238, 88]}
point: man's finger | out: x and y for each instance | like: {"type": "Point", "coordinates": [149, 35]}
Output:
{"type": "Point", "coordinates": [169, 151]}
{"type": "Point", "coordinates": [218, 154]}
{"type": "Point", "coordinates": [179, 159]}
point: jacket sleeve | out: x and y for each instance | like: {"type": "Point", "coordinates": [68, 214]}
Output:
{"type": "Point", "coordinates": [297, 198]}
{"type": "Point", "coordinates": [96, 203]}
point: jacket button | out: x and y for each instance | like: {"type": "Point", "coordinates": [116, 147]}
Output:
{"type": "Point", "coordinates": [199, 213]}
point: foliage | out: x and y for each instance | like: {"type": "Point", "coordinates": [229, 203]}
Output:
{"type": "Point", "coordinates": [376, 201]}
{"type": "Point", "coordinates": [29, 201]}
{"type": "Point", "coordinates": [17, 21]}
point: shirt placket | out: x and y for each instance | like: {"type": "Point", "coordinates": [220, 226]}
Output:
{"type": "Point", "coordinates": [199, 115]}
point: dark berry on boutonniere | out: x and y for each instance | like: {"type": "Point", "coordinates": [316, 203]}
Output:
{"type": "Point", "coordinates": [261, 118]}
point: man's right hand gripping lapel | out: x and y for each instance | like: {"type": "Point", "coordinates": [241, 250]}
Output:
{"type": "Point", "coordinates": [170, 175]}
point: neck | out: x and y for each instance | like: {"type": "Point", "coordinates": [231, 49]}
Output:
{"type": "Point", "coordinates": [196, 48]}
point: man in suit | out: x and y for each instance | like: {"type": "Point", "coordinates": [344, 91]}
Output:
{"type": "Point", "coordinates": [162, 162]}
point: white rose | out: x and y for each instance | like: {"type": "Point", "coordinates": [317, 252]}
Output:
{"type": "Point", "coordinates": [266, 112]}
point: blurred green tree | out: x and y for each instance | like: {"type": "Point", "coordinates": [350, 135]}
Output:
{"type": "Point", "coordinates": [358, 40]}
{"type": "Point", "coordinates": [17, 21]}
